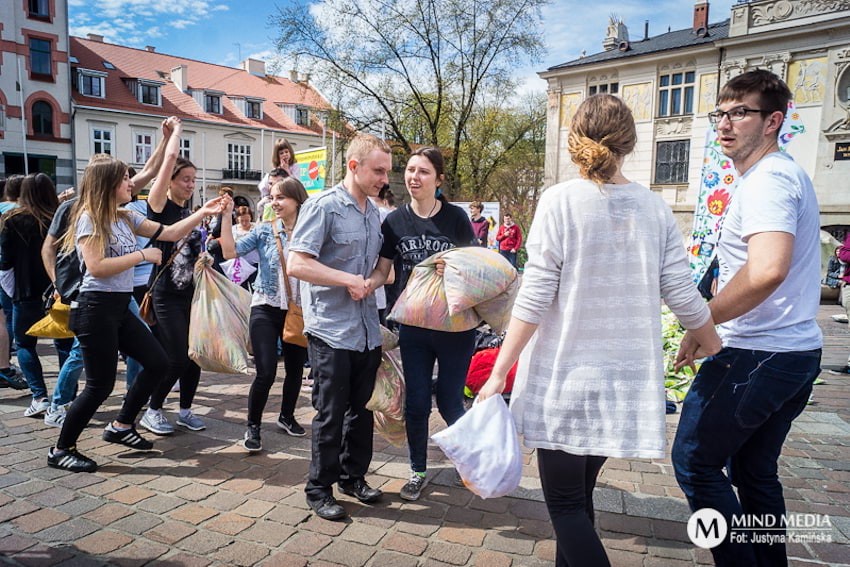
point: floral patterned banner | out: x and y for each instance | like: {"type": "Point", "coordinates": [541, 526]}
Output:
{"type": "Point", "coordinates": [719, 180]}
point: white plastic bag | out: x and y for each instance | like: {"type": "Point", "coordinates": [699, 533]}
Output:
{"type": "Point", "coordinates": [237, 269]}
{"type": "Point", "coordinates": [484, 447]}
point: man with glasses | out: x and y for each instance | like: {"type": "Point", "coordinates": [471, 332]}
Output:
{"type": "Point", "coordinates": [741, 405]}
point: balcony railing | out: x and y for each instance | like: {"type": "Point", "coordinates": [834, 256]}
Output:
{"type": "Point", "coordinates": [246, 174]}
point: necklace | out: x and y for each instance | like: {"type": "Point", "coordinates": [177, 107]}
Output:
{"type": "Point", "coordinates": [431, 212]}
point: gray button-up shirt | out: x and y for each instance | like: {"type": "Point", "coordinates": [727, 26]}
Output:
{"type": "Point", "coordinates": [332, 228]}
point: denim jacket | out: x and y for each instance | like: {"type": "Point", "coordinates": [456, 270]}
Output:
{"type": "Point", "coordinates": [261, 239]}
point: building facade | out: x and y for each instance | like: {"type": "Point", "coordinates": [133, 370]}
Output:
{"type": "Point", "coordinates": [35, 100]}
{"type": "Point", "coordinates": [671, 81]}
{"type": "Point", "coordinates": [231, 117]}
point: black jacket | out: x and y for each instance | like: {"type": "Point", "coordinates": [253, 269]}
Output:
{"type": "Point", "coordinates": [20, 248]}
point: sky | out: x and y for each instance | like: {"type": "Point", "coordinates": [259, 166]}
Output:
{"type": "Point", "coordinates": [229, 31]}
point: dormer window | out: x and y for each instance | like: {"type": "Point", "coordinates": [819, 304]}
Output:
{"type": "Point", "coordinates": [302, 116]}
{"type": "Point", "coordinates": [91, 83]}
{"type": "Point", "coordinates": [253, 109]}
{"type": "Point", "coordinates": [149, 94]}
{"type": "Point", "coordinates": [212, 103]}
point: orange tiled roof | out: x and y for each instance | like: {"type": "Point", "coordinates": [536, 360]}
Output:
{"type": "Point", "coordinates": [131, 63]}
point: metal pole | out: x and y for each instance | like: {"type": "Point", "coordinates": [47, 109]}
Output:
{"type": "Point", "coordinates": [23, 116]}
{"type": "Point", "coordinates": [333, 159]}
{"type": "Point", "coordinates": [204, 167]}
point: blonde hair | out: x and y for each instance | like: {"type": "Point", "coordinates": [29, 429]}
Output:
{"type": "Point", "coordinates": [363, 144]}
{"type": "Point", "coordinates": [601, 132]}
{"type": "Point", "coordinates": [98, 198]}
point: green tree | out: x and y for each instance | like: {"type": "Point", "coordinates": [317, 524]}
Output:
{"type": "Point", "coordinates": [413, 70]}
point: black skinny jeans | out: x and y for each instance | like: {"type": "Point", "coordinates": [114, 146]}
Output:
{"type": "Point", "coordinates": [104, 325]}
{"type": "Point", "coordinates": [265, 327]}
{"type": "Point", "coordinates": [172, 331]}
{"type": "Point", "coordinates": [568, 481]}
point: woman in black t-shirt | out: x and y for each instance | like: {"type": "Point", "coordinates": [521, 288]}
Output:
{"type": "Point", "coordinates": [425, 226]}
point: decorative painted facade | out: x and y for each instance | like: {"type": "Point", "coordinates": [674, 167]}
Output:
{"type": "Point", "coordinates": [670, 82]}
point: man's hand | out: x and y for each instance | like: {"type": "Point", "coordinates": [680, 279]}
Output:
{"type": "Point", "coordinates": [358, 288]}
{"type": "Point", "coordinates": [691, 350]}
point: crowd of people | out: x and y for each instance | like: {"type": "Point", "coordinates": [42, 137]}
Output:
{"type": "Point", "coordinates": [584, 391]}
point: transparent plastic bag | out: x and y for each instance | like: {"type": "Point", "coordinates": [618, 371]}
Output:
{"type": "Point", "coordinates": [387, 401]}
{"type": "Point", "coordinates": [218, 321]}
{"type": "Point", "coordinates": [484, 447]}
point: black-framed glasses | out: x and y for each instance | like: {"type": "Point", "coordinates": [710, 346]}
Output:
{"type": "Point", "coordinates": [733, 115]}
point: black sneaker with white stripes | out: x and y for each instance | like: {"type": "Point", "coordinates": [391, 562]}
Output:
{"type": "Point", "coordinates": [70, 460]}
{"type": "Point", "coordinates": [129, 437]}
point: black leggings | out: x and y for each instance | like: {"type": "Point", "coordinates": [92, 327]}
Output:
{"type": "Point", "coordinates": [568, 481]}
{"type": "Point", "coordinates": [172, 330]}
{"type": "Point", "coordinates": [104, 325]}
{"type": "Point", "coordinates": [266, 326]}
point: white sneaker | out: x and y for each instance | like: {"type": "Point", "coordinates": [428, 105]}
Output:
{"type": "Point", "coordinates": [191, 421]}
{"type": "Point", "coordinates": [37, 407]}
{"type": "Point", "coordinates": [155, 422]}
{"type": "Point", "coordinates": [55, 417]}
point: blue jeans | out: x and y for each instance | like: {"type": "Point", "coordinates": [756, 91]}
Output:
{"type": "Point", "coordinates": [736, 415]}
{"type": "Point", "coordinates": [6, 305]}
{"type": "Point", "coordinates": [69, 376]}
{"type": "Point", "coordinates": [511, 256]}
{"type": "Point", "coordinates": [420, 348]}
{"type": "Point", "coordinates": [24, 314]}
{"type": "Point", "coordinates": [133, 365]}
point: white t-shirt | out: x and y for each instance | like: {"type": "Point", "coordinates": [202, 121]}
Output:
{"type": "Point", "coordinates": [121, 242]}
{"type": "Point", "coordinates": [775, 195]}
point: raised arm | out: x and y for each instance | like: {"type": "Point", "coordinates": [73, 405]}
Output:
{"type": "Point", "coordinates": [142, 178]}
{"type": "Point", "coordinates": [176, 231]}
{"type": "Point", "coordinates": [159, 192]}
{"type": "Point", "coordinates": [48, 255]}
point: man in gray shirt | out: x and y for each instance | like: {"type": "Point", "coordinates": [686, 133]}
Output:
{"type": "Point", "coordinates": [334, 248]}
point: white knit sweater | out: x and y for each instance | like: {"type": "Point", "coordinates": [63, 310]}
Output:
{"type": "Point", "coordinates": [591, 381]}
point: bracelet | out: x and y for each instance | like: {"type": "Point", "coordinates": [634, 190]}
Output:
{"type": "Point", "coordinates": [143, 255]}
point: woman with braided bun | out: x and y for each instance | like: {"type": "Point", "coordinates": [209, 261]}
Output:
{"type": "Point", "coordinates": [602, 254]}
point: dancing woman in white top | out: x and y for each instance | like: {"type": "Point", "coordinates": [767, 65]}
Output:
{"type": "Point", "coordinates": [602, 254]}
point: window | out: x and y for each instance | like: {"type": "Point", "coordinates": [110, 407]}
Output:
{"type": "Point", "coordinates": [40, 63]}
{"type": "Point", "coordinates": [186, 148]}
{"type": "Point", "coordinates": [149, 94]}
{"type": "Point", "coordinates": [2, 117]}
{"type": "Point", "coordinates": [671, 162]}
{"type": "Point", "coordinates": [253, 109]}
{"type": "Point", "coordinates": [91, 83]}
{"type": "Point", "coordinates": [676, 94]}
{"type": "Point", "coordinates": [101, 141]}
{"type": "Point", "coordinates": [142, 146]}
{"type": "Point", "coordinates": [238, 156]}
{"type": "Point", "coordinates": [39, 8]}
{"type": "Point", "coordinates": [302, 116]}
{"type": "Point", "coordinates": [212, 104]}
{"type": "Point", "coordinates": [610, 88]}
{"type": "Point", "coordinates": [42, 118]}
{"type": "Point", "coordinates": [108, 65]}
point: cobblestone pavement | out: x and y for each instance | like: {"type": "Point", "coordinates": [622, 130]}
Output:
{"type": "Point", "coordinates": [201, 500]}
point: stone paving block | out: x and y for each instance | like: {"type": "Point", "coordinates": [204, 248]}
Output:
{"type": "Point", "coordinates": [538, 529]}
{"type": "Point", "coordinates": [138, 553]}
{"type": "Point", "coordinates": [192, 514]}
{"type": "Point", "coordinates": [185, 560]}
{"type": "Point", "coordinates": [241, 553]}
{"type": "Point", "coordinates": [347, 553]}
{"type": "Point", "coordinates": [12, 544]}
{"type": "Point", "coordinates": [269, 533]}
{"type": "Point", "coordinates": [242, 485]}
{"type": "Point", "coordinates": [130, 495]}
{"type": "Point", "coordinates": [169, 533]}
{"type": "Point", "coordinates": [383, 515]}
{"type": "Point", "coordinates": [665, 529]}
{"type": "Point", "coordinates": [280, 559]}
{"type": "Point", "coordinates": [12, 479]}
{"type": "Point", "coordinates": [28, 487]}
{"type": "Point", "coordinates": [102, 542]}
{"type": "Point", "coordinates": [545, 550]}
{"type": "Point", "coordinates": [670, 549]}
{"type": "Point", "coordinates": [424, 507]}
{"type": "Point", "coordinates": [405, 543]}
{"type": "Point", "coordinates": [272, 494]}
{"type": "Point", "coordinates": [530, 510]}
{"type": "Point", "coordinates": [413, 523]}
{"type": "Point", "coordinates": [39, 520]}
{"type": "Point", "coordinates": [80, 506]}
{"type": "Point", "coordinates": [318, 525]}
{"type": "Point", "coordinates": [167, 483]}
{"type": "Point", "coordinates": [492, 559]}
{"type": "Point", "coordinates": [43, 556]}
{"type": "Point", "coordinates": [505, 522]}
{"type": "Point", "coordinates": [494, 505]}
{"type": "Point", "coordinates": [608, 500]}
{"type": "Point", "coordinates": [651, 561]}
{"type": "Point", "coordinates": [622, 558]}
{"type": "Point", "coordinates": [448, 553]}
{"type": "Point", "coordinates": [363, 533]}
{"type": "Point", "coordinates": [77, 481]}
{"type": "Point", "coordinates": [109, 513]}
{"type": "Point", "coordinates": [229, 523]}
{"type": "Point", "coordinates": [253, 508]}
{"type": "Point", "coordinates": [288, 515]}
{"type": "Point", "coordinates": [104, 488]}
{"type": "Point", "coordinates": [463, 535]}
{"type": "Point", "coordinates": [55, 496]}
{"type": "Point", "coordinates": [621, 523]}
{"type": "Point", "coordinates": [450, 495]}
{"type": "Point", "coordinates": [195, 492]}
{"type": "Point", "coordinates": [509, 542]}
{"type": "Point", "coordinates": [464, 516]}
{"type": "Point", "coordinates": [70, 531]}
{"type": "Point", "coordinates": [391, 559]}
{"type": "Point", "coordinates": [160, 504]}
{"type": "Point", "coordinates": [204, 542]}
{"type": "Point", "coordinates": [137, 523]}
{"type": "Point", "coordinates": [307, 543]}
{"type": "Point", "coordinates": [654, 507]}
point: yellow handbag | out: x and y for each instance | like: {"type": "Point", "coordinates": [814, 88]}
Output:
{"type": "Point", "coordinates": [54, 325]}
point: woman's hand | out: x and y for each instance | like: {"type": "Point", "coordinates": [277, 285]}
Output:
{"type": "Point", "coordinates": [494, 385]}
{"type": "Point", "coordinates": [152, 255]}
{"type": "Point", "coordinates": [440, 266]}
{"type": "Point", "coordinates": [216, 206]}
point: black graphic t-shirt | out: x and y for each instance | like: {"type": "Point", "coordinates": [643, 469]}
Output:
{"type": "Point", "coordinates": [178, 277]}
{"type": "Point", "coordinates": [409, 239]}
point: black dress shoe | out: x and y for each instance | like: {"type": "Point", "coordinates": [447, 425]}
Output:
{"type": "Point", "coordinates": [360, 490]}
{"type": "Point", "coordinates": [327, 508]}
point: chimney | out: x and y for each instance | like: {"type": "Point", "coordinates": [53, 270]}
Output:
{"type": "Point", "coordinates": [306, 77]}
{"type": "Point", "coordinates": [180, 77]}
{"type": "Point", "coordinates": [150, 48]}
{"type": "Point", "coordinates": [701, 18]}
{"type": "Point", "coordinates": [646, 30]}
{"type": "Point", "coordinates": [255, 67]}
{"type": "Point", "coordinates": [293, 75]}
{"type": "Point", "coordinates": [95, 37]}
